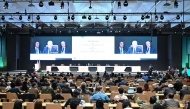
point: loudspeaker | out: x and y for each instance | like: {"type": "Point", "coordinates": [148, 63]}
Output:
{"type": "Point", "coordinates": [54, 69]}
{"type": "Point", "coordinates": [128, 69]}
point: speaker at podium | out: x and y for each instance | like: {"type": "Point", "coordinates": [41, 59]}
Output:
{"type": "Point", "coordinates": [53, 68]}
{"type": "Point", "coordinates": [128, 69]}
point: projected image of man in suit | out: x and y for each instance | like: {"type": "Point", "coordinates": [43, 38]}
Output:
{"type": "Point", "coordinates": [63, 49]}
{"type": "Point", "coordinates": [133, 49]}
{"type": "Point", "coordinates": [120, 49]}
{"type": "Point", "coordinates": [148, 49]}
{"type": "Point", "coordinates": [37, 49]}
{"type": "Point", "coordinates": [49, 49]}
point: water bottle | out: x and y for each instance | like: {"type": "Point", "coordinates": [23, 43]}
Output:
{"type": "Point", "coordinates": [157, 99]}
{"type": "Point", "coordinates": [138, 100]}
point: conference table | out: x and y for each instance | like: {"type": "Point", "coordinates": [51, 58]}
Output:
{"type": "Point", "coordinates": [94, 68]}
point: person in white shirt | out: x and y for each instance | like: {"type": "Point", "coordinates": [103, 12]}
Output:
{"type": "Point", "coordinates": [121, 95]}
{"type": "Point", "coordinates": [8, 86]}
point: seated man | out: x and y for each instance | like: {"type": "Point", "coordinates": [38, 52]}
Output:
{"type": "Point", "coordinates": [67, 89]}
{"type": "Point", "coordinates": [99, 95]}
{"type": "Point", "coordinates": [168, 90]}
{"type": "Point", "coordinates": [170, 102]}
{"type": "Point", "coordinates": [156, 87]}
{"type": "Point", "coordinates": [34, 90]}
{"type": "Point", "coordinates": [184, 91]}
{"type": "Point", "coordinates": [121, 95]}
{"type": "Point", "coordinates": [122, 83]}
{"type": "Point", "coordinates": [111, 83]}
{"type": "Point", "coordinates": [48, 90]}
{"type": "Point", "coordinates": [150, 104]}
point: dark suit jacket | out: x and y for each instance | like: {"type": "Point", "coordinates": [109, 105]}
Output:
{"type": "Point", "coordinates": [152, 50]}
{"type": "Point", "coordinates": [67, 50]}
{"type": "Point", "coordinates": [34, 51]}
{"type": "Point", "coordinates": [183, 92]}
{"type": "Point", "coordinates": [67, 90]}
{"type": "Point", "coordinates": [130, 50]}
{"type": "Point", "coordinates": [111, 84]}
{"type": "Point", "coordinates": [57, 97]}
{"type": "Point", "coordinates": [172, 103]}
{"type": "Point", "coordinates": [117, 51]}
{"type": "Point", "coordinates": [178, 85]}
{"type": "Point", "coordinates": [53, 49]}
{"type": "Point", "coordinates": [169, 90]}
{"type": "Point", "coordinates": [14, 90]}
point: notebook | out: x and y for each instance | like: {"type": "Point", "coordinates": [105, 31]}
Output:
{"type": "Point", "coordinates": [131, 91]}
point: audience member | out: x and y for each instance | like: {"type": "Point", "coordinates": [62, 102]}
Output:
{"type": "Point", "coordinates": [121, 95]}
{"type": "Point", "coordinates": [111, 83]}
{"type": "Point", "coordinates": [38, 105]}
{"type": "Point", "coordinates": [184, 91]}
{"type": "Point", "coordinates": [170, 102]}
{"type": "Point", "coordinates": [150, 104]}
{"type": "Point", "coordinates": [8, 86]}
{"type": "Point", "coordinates": [146, 87]}
{"type": "Point", "coordinates": [14, 89]}
{"type": "Point", "coordinates": [17, 104]}
{"type": "Point", "coordinates": [100, 95]}
{"type": "Point", "coordinates": [34, 90]}
{"type": "Point", "coordinates": [67, 89]}
{"type": "Point", "coordinates": [126, 104]}
{"type": "Point", "coordinates": [99, 104]}
{"type": "Point", "coordinates": [178, 85]}
{"type": "Point", "coordinates": [118, 80]}
{"type": "Point", "coordinates": [123, 83]}
{"type": "Point", "coordinates": [139, 91]}
{"type": "Point", "coordinates": [58, 96]}
{"type": "Point", "coordinates": [48, 90]}
{"type": "Point", "coordinates": [85, 91]}
{"type": "Point", "coordinates": [168, 90]}
{"type": "Point", "coordinates": [156, 88]}
{"type": "Point", "coordinates": [75, 100]}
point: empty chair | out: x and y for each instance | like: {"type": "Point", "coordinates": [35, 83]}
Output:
{"type": "Point", "coordinates": [53, 106]}
{"type": "Point", "coordinates": [113, 94]}
{"type": "Point", "coordinates": [46, 96]}
{"type": "Point", "coordinates": [119, 106]}
{"type": "Point", "coordinates": [29, 105]}
{"type": "Point", "coordinates": [66, 95]}
{"type": "Point", "coordinates": [113, 88]}
{"type": "Point", "coordinates": [7, 105]}
{"type": "Point", "coordinates": [11, 96]}
{"type": "Point", "coordinates": [186, 97]}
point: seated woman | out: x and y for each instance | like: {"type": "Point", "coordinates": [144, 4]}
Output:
{"type": "Point", "coordinates": [85, 91]}
{"type": "Point", "coordinates": [38, 105]}
{"type": "Point", "coordinates": [58, 96]}
{"type": "Point", "coordinates": [146, 87]}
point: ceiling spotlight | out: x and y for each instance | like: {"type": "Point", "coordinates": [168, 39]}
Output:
{"type": "Point", "coordinates": [41, 4]}
{"type": "Point", "coordinates": [107, 17]}
{"type": "Point", "coordinates": [156, 17]}
{"type": "Point", "coordinates": [28, 17]}
{"type": "Point", "coordinates": [114, 18]}
{"type": "Point", "coordinates": [178, 17]}
{"type": "Point", "coordinates": [142, 17]}
{"type": "Point", "coordinates": [3, 17]}
{"type": "Point", "coordinates": [124, 17]}
{"type": "Point", "coordinates": [125, 3]}
{"type": "Point", "coordinates": [62, 5]}
{"type": "Point", "coordinates": [162, 17]}
{"type": "Point", "coordinates": [55, 17]}
{"type": "Point", "coordinates": [38, 17]}
{"type": "Point", "coordinates": [73, 17]}
{"type": "Point", "coordinates": [119, 4]}
{"type": "Point", "coordinates": [90, 7]}
{"type": "Point", "coordinates": [6, 5]}
{"type": "Point", "coordinates": [20, 17]}
{"type": "Point", "coordinates": [89, 17]}
{"type": "Point", "coordinates": [176, 4]}
{"type": "Point", "coordinates": [83, 17]}
{"type": "Point", "coordinates": [68, 18]}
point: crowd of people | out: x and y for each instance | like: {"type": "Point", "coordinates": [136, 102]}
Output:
{"type": "Point", "coordinates": [65, 83]}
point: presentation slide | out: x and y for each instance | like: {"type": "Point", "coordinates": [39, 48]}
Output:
{"type": "Point", "coordinates": [93, 48]}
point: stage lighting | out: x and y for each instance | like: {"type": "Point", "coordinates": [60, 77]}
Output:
{"type": "Point", "coordinates": [125, 3]}
{"type": "Point", "coordinates": [124, 17]}
{"type": "Point", "coordinates": [38, 17]}
{"type": "Point", "coordinates": [55, 17]}
{"type": "Point", "coordinates": [73, 17]}
{"type": "Point", "coordinates": [114, 18]}
{"type": "Point", "coordinates": [41, 4]}
{"type": "Point", "coordinates": [176, 4]}
{"type": "Point", "coordinates": [62, 5]}
{"type": "Point", "coordinates": [3, 17]}
{"type": "Point", "coordinates": [162, 17]}
{"type": "Point", "coordinates": [156, 17]}
{"type": "Point", "coordinates": [28, 17]}
{"type": "Point", "coordinates": [6, 5]}
{"type": "Point", "coordinates": [89, 17]}
{"type": "Point", "coordinates": [142, 17]}
{"type": "Point", "coordinates": [20, 17]}
{"type": "Point", "coordinates": [178, 17]}
{"type": "Point", "coordinates": [107, 17]}
{"type": "Point", "coordinates": [119, 4]}
{"type": "Point", "coordinates": [83, 17]}
{"type": "Point", "coordinates": [68, 18]}
{"type": "Point", "coordinates": [22, 26]}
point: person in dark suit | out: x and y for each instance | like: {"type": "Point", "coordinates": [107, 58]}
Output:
{"type": "Point", "coordinates": [150, 69]}
{"type": "Point", "coordinates": [122, 83]}
{"type": "Point", "coordinates": [36, 49]}
{"type": "Point", "coordinates": [111, 83]}
{"type": "Point", "coordinates": [148, 49]}
{"type": "Point", "coordinates": [67, 89]}
{"type": "Point", "coordinates": [120, 49]}
{"type": "Point", "coordinates": [13, 89]}
{"type": "Point", "coordinates": [48, 49]}
{"type": "Point", "coordinates": [63, 49]}
{"type": "Point", "coordinates": [178, 85]}
{"type": "Point", "coordinates": [133, 49]}
{"type": "Point", "coordinates": [184, 91]}
{"type": "Point", "coordinates": [168, 90]}
{"type": "Point", "coordinates": [170, 102]}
